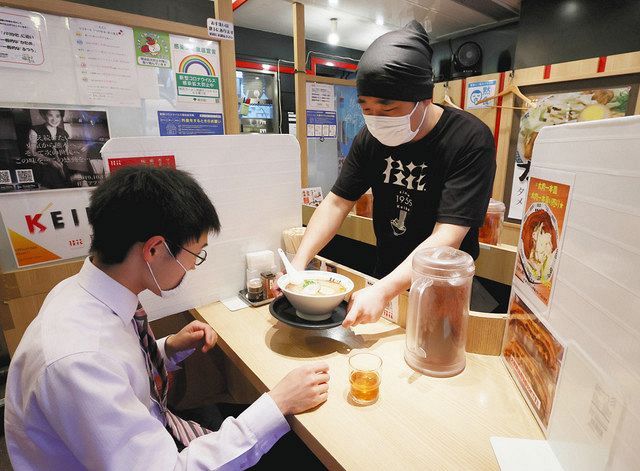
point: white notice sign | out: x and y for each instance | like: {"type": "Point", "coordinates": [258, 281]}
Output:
{"type": "Point", "coordinates": [23, 39]}
{"type": "Point", "coordinates": [220, 29]}
{"type": "Point", "coordinates": [105, 67]}
{"type": "Point", "coordinates": [320, 97]}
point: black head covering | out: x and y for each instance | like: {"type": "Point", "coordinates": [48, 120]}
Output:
{"type": "Point", "coordinates": [397, 66]}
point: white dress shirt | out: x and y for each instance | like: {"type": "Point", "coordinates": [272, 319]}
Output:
{"type": "Point", "coordinates": [78, 394]}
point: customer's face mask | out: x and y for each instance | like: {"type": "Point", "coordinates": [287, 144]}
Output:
{"type": "Point", "coordinates": [393, 131]}
{"type": "Point", "coordinates": [174, 291]}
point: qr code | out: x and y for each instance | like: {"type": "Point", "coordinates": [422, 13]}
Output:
{"type": "Point", "coordinates": [5, 177]}
{"type": "Point", "coordinates": [25, 176]}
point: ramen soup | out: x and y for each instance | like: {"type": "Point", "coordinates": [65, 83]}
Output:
{"type": "Point", "coordinates": [317, 288]}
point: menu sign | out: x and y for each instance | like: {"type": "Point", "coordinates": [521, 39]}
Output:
{"type": "Point", "coordinates": [541, 235]}
{"type": "Point", "coordinates": [104, 68]}
{"type": "Point", "coordinates": [533, 356]}
{"type": "Point", "coordinates": [560, 108]}
{"type": "Point", "coordinates": [531, 351]}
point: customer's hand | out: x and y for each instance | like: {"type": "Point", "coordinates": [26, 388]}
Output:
{"type": "Point", "coordinates": [302, 389]}
{"type": "Point", "coordinates": [365, 305]}
{"type": "Point", "coordinates": [194, 335]}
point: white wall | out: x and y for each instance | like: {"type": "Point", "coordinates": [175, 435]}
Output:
{"type": "Point", "coordinates": [254, 183]}
{"type": "Point", "coordinates": [596, 302]}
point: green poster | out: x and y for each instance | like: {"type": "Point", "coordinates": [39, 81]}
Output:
{"type": "Point", "coordinates": [153, 48]}
{"type": "Point", "coordinates": [201, 88]}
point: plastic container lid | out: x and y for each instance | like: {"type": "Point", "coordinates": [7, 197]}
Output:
{"type": "Point", "coordinates": [443, 262]}
{"type": "Point", "coordinates": [496, 206]}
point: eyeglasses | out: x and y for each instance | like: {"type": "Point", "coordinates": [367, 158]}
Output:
{"type": "Point", "coordinates": [200, 257]}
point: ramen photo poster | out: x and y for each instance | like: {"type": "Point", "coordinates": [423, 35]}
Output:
{"type": "Point", "coordinates": [533, 355]}
{"type": "Point", "coordinates": [543, 224]}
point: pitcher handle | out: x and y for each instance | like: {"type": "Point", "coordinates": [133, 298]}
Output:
{"type": "Point", "coordinates": [418, 290]}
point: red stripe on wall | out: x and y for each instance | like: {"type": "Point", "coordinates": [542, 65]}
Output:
{"type": "Point", "coordinates": [331, 63]}
{"type": "Point", "coordinates": [237, 4]}
{"type": "Point", "coordinates": [259, 66]}
{"type": "Point", "coordinates": [463, 93]}
{"type": "Point", "coordinates": [243, 64]}
{"type": "Point", "coordinates": [602, 64]}
{"type": "Point", "coordinates": [547, 72]}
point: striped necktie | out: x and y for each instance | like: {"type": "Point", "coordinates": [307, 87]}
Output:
{"type": "Point", "coordinates": [183, 431]}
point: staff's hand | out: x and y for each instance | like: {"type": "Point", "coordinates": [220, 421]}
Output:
{"type": "Point", "coordinates": [194, 335]}
{"type": "Point", "coordinates": [278, 290]}
{"type": "Point", "coordinates": [366, 305]}
{"type": "Point", "coordinates": [296, 265]}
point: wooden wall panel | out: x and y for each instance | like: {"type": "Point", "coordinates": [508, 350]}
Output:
{"type": "Point", "coordinates": [15, 317]}
{"type": "Point", "coordinates": [30, 281]}
{"type": "Point", "coordinates": [502, 146]}
{"type": "Point", "coordinates": [300, 85]}
{"type": "Point", "coordinates": [496, 263]}
{"type": "Point", "coordinates": [331, 80]}
{"type": "Point", "coordinates": [438, 92]}
{"type": "Point", "coordinates": [224, 12]}
{"type": "Point", "coordinates": [455, 92]}
{"type": "Point", "coordinates": [619, 64]}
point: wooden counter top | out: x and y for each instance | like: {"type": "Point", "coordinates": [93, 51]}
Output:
{"type": "Point", "coordinates": [418, 423]}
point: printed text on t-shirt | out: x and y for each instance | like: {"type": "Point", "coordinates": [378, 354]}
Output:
{"type": "Point", "coordinates": [410, 176]}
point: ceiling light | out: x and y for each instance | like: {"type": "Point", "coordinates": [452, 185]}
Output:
{"type": "Point", "coordinates": [570, 8]}
{"type": "Point", "coordinates": [330, 64]}
{"type": "Point", "coordinates": [379, 20]}
{"type": "Point", "coordinates": [333, 37]}
{"type": "Point", "coordinates": [265, 67]}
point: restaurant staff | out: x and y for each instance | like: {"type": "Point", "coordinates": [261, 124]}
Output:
{"type": "Point", "coordinates": [430, 168]}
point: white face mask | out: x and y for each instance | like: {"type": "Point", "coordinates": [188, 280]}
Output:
{"type": "Point", "coordinates": [171, 292]}
{"type": "Point", "coordinates": [393, 131]}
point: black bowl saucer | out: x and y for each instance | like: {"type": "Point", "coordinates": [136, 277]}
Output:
{"type": "Point", "coordinates": [282, 310]}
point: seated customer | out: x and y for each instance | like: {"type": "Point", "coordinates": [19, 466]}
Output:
{"type": "Point", "coordinates": [87, 386]}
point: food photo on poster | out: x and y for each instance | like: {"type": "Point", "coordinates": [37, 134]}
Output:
{"type": "Point", "coordinates": [541, 234]}
{"type": "Point", "coordinates": [554, 109]}
{"type": "Point", "coordinates": [534, 356]}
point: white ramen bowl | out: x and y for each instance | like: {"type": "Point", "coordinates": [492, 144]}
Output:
{"type": "Point", "coordinates": [315, 307]}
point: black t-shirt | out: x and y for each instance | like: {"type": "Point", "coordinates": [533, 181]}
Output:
{"type": "Point", "coordinates": [445, 177]}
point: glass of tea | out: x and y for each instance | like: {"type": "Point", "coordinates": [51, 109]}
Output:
{"type": "Point", "coordinates": [364, 376]}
